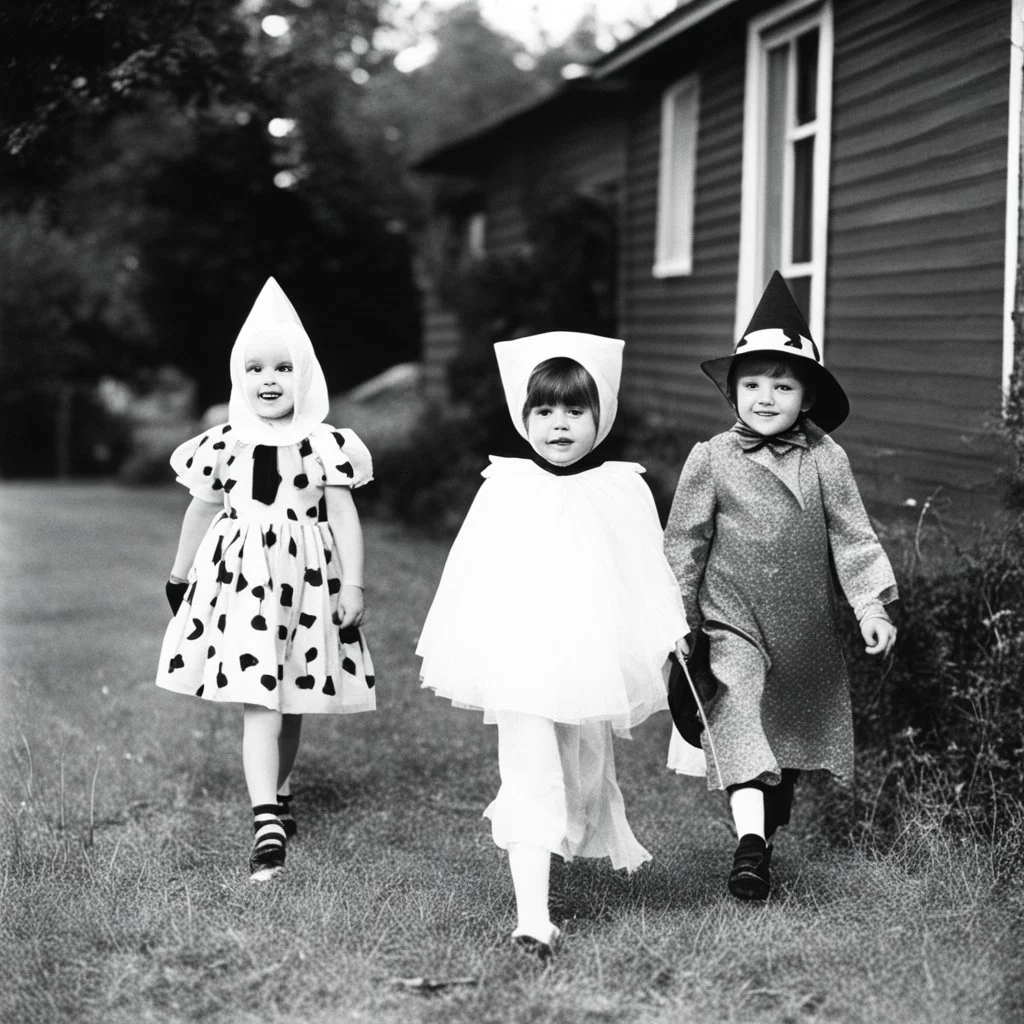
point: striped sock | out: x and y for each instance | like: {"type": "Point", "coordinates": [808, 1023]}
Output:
{"type": "Point", "coordinates": [286, 817]}
{"type": "Point", "coordinates": [268, 847]}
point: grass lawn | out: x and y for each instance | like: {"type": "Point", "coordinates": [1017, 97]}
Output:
{"type": "Point", "coordinates": [124, 835]}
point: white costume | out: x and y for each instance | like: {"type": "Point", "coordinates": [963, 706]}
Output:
{"type": "Point", "coordinates": [555, 616]}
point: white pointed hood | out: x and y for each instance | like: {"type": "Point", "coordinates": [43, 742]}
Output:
{"type": "Point", "coordinates": [600, 357]}
{"type": "Point", "coordinates": [273, 314]}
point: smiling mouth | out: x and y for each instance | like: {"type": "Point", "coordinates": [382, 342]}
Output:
{"type": "Point", "coordinates": [268, 396]}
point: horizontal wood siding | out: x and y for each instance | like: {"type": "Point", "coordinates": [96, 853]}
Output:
{"type": "Point", "coordinates": [916, 233]}
{"type": "Point", "coordinates": [672, 324]}
{"type": "Point", "coordinates": [575, 144]}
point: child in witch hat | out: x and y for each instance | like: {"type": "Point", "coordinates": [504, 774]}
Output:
{"type": "Point", "coordinates": [267, 583]}
{"type": "Point", "coordinates": [556, 615]}
{"type": "Point", "coordinates": [758, 512]}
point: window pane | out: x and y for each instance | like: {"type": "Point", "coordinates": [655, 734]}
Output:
{"type": "Point", "coordinates": [775, 152]}
{"type": "Point", "coordinates": [806, 77]}
{"type": "Point", "coordinates": [803, 199]}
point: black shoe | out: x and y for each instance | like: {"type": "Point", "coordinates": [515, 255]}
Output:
{"type": "Point", "coordinates": [750, 878]}
{"type": "Point", "coordinates": [543, 951]}
{"type": "Point", "coordinates": [268, 849]}
{"type": "Point", "coordinates": [286, 817]}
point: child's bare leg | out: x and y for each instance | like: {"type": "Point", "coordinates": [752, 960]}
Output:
{"type": "Point", "coordinates": [261, 731]}
{"type": "Point", "coordinates": [261, 759]}
{"type": "Point", "coordinates": [288, 748]}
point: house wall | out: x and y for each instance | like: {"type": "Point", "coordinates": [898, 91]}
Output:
{"type": "Point", "coordinates": [916, 238]}
{"type": "Point", "coordinates": [576, 143]}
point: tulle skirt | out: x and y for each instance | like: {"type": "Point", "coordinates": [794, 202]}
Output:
{"type": "Point", "coordinates": [556, 599]}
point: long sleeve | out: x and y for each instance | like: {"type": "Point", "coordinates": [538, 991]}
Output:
{"type": "Point", "coordinates": [691, 527]}
{"type": "Point", "coordinates": [862, 565]}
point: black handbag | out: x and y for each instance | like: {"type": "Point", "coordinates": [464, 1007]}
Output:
{"type": "Point", "coordinates": [682, 700]}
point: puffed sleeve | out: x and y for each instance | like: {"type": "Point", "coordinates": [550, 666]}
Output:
{"type": "Point", "coordinates": [862, 565]}
{"type": "Point", "coordinates": [198, 462]}
{"type": "Point", "coordinates": [346, 461]}
{"type": "Point", "coordinates": [691, 527]}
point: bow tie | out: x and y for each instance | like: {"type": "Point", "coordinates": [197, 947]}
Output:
{"type": "Point", "coordinates": [751, 441]}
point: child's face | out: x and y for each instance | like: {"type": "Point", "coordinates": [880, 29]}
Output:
{"type": "Point", "coordinates": [269, 378]}
{"type": "Point", "coordinates": [561, 434]}
{"type": "Point", "coordinates": [770, 405]}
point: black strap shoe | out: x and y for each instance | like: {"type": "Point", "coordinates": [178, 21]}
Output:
{"type": "Point", "coordinates": [750, 878]}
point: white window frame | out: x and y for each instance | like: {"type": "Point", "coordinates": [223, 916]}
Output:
{"type": "Point", "coordinates": [677, 175]}
{"type": "Point", "coordinates": [764, 33]}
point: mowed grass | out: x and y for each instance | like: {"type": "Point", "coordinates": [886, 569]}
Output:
{"type": "Point", "coordinates": [125, 831]}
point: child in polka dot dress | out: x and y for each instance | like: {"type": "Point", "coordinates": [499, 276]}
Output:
{"type": "Point", "coordinates": [266, 586]}
{"type": "Point", "coordinates": [761, 515]}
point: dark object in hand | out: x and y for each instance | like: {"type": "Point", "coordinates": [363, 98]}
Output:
{"type": "Point", "coordinates": [682, 704]}
{"type": "Point", "coordinates": [175, 594]}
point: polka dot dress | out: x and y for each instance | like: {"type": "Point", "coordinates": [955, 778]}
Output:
{"type": "Point", "coordinates": [749, 538]}
{"type": "Point", "coordinates": [260, 619]}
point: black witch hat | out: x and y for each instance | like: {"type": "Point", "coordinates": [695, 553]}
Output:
{"type": "Point", "coordinates": [779, 328]}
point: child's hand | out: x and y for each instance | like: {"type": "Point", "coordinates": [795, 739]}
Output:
{"type": "Point", "coordinates": [682, 649]}
{"type": "Point", "coordinates": [351, 605]}
{"type": "Point", "coordinates": [879, 635]}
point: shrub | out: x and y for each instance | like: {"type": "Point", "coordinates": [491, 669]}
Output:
{"type": "Point", "coordinates": [942, 726]}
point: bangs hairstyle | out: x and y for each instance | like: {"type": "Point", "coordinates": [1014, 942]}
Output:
{"type": "Point", "coordinates": [561, 381]}
{"type": "Point", "coordinates": [770, 365]}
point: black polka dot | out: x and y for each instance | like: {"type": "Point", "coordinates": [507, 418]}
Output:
{"type": "Point", "coordinates": [305, 448]}
{"type": "Point", "coordinates": [188, 462]}
{"type": "Point", "coordinates": [328, 555]}
{"type": "Point", "coordinates": [292, 549]}
{"type": "Point", "coordinates": [202, 441]}
{"type": "Point", "coordinates": [307, 620]}
{"type": "Point", "coordinates": [176, 662]}
{"type": "Point", "coordinates": [282, 632]}
{"type": "Point", "coordinates": [287, 595]}
{"type": "Point", "coordinates": [349, 666]}
{"type": "Point", "coordinates": [340, 438]}
{"type": "Point", "coordinates": [329, 687]}
{"type": "Point", "coordinates": [269, 682]}
{"type": "Point", "coordinates": [333, 585]}
{"type": "Point", "coordinates": [313, 513]}
{"type": "Point", "coordinates": [346, 470]}
{"type": "Point", "coordinates": [290, 513]}
{"type": "Point", "coordinates": [226, 428]}
{"type": "Point", "coordinates": [223, 576]}
{"type": "Point", "coordinates": [247, 661]}
{"type": "Point", "coordinates": [217, 550]}
{"type": "Point", "coordinates": [314, 577]}
{"type": "Point", "coordinates": [207, 470]}
{"type": "Point", "coordinates": [241, 584]}
{"type": "Point", "coordinates": [231, 459]}
{"type": "Point", "coordinates": [311, 654]}
{"type": "Point", "coordinates": [228, 484]}
{"type": "Point", "coordinates": [197, 630]}
{"type": "Point", "coordinates": [305, 682]}
{"type": "Point", "coordinates": [370, 680]}
{"type": "Point", "coordinates": [211, 651]}
{"type": "Point", "coordinates": [258, 592]}
{"type": "Point", "coordinates": [270, 538]}
{"type": "Point", "coordinates": [221, 622]}
{"type": "Point", "coordinates": [220, 445]}
{"type": "Point", "coordinates": [199, 692]}
{"type": "Point", "coordinates": [301, 480]}
{"type": "Point", "coordinates": [222, 680]}
{"type": "Point", "coordinates": [349, 635]}
{"type": "Point", "coordinates": [258, 622]}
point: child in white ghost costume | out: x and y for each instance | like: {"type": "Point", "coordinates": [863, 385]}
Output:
{"type": "Point", "coordinates": [555, 615]}
{"type": "Point", "coordinates": [266, 584]}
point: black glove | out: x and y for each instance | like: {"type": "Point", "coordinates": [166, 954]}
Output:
{"type": "Point", "coordinates": [175, 594]}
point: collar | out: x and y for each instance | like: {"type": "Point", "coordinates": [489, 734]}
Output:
{"type": "Point", "coordinates": [778, 444]}
{"type": "Point", "coordinates": [589, 461]}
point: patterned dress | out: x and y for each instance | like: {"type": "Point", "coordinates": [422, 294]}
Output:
{"type": "Point", "coordinates": [749, 538]}
{"type": "Point", "coordinates": [260, 619]}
